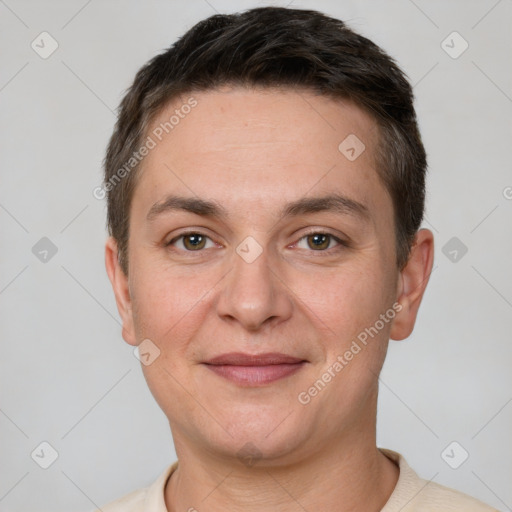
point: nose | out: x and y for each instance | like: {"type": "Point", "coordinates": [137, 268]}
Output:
{"type": "Point", "coordinates": [254, 295]}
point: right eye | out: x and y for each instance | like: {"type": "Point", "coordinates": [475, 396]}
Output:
{"type": "Point", "coordinates": [191, 242]}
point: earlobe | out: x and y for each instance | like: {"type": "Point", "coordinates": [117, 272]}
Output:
{"type": "Point", "coordinates": [119, 282]}
{"type": "Point", "coordinates": [412, 283]}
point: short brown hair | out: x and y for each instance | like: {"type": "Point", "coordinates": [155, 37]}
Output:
{"type": "Point", "coordinates": [276, 47]}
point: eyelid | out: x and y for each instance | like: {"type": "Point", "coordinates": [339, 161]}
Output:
{"type": "Point", "coordinates": [189, 232]}
{"type": "Point", "coordinates": [320, 231]}
{"type": "Point", "coordinates": [315, 231]}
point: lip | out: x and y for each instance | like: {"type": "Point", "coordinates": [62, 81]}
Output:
{"type": "Point", "coordinates": [254, 370]}
{"type": "Point", "coordinates": [241, 359]}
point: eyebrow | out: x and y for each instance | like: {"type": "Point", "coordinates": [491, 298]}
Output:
{"type": "Point", "coordinates": [331, 203]}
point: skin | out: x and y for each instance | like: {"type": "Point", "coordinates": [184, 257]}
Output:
{"type": "Point", "coordinates": [252, 151]}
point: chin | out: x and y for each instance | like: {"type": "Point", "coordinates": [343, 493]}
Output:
{"type": "Point", "coordinates": [272, 436]}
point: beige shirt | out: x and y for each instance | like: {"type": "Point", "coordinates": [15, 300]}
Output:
{"type": "Point", "coordinates": [411, 494]}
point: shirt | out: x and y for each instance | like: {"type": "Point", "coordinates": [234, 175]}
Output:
{"type": "Point", "coordinates": [411, 494]}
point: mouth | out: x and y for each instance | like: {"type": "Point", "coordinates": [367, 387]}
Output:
{"type": "Point", "coordinates": [254, 370]}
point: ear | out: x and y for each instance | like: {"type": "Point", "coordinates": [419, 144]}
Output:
{"type": "Point", "coordinates": [119, 281]}
{"type": "Point", "coordinates": [412, 282]}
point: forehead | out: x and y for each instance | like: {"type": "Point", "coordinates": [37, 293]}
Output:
{"type": "Point", "coordinates": [248, 146]}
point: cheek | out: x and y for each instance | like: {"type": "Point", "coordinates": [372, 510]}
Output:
{"type": "Point", "coordinates": [169, 309]}
{"type": "Point", "coordinates": [345, 301]}
{"type": "Point", "coordinates": [167, 306]}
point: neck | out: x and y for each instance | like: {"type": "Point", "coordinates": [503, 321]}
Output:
{"type": "Point", "coordinates": [348, 474]}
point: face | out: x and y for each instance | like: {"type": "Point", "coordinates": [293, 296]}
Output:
{"type": "Point", "coordinates": [259, 255]}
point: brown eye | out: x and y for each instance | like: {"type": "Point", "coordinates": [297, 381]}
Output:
{"type": "Point", "coordinates": [191, 242]}
{"type": "Point", "coordinates": [318, 241]}
{"type": "Point", "coordinates": [194, 241]}
{"type": "Point", "coordinates": [321, 242]}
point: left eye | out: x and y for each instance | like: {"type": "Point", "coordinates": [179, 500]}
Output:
{"type": "Point", "coordinates": [191, 242]}
{"type": "Point", "coordinates": [319, 241]}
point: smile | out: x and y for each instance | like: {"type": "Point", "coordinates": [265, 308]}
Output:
{"type": "Point", "coordinates": [254, 370]}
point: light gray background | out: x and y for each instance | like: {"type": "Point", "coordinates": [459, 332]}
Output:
{"type": "Point", "coordinates": [68, 378]}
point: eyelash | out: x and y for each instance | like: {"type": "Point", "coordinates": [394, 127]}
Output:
{"type": "Point", "coordinates": [341, 243]}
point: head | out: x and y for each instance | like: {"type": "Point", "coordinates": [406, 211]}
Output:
{"type": "Point", "coordinates": [265, 184]}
